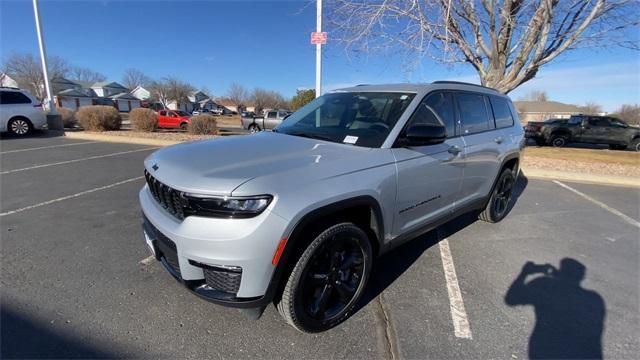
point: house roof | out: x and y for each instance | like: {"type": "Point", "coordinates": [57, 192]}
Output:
{"type": "Point", "coordinates": [61, 80]}
{"type": "Point", "coordinates": [109, 84]}
{"type": "Point", "coordinates": [72, 93]}
{"type": "Point", "coordinates": [545, 107]}
{"type": "Point", "coordinates": [123, 96]}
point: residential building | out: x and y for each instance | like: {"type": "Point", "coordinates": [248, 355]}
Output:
{"type": "Point", "coordinates": [7, 81]}
{"type": "Point", "coordinates": [75, 94]}
{"type": "Point", "coordinates": [543, 110]}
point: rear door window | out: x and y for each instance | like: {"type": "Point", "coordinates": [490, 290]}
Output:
{"type": "Point", "coordinates": [271, 115]}
{"type": "Point", "coordinates": [473, 113]}
{"type": "Point", "coordinates": [13, 97]}
{"type": "Point", "coordinates": [501, 112]}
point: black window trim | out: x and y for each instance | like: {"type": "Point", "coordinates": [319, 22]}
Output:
{"type": "Point", "coordinates": [457, 104]}
{"type": "Point", "coordinates": [456, 117]}
{"type": "Point", "coordinates": [493, 111]}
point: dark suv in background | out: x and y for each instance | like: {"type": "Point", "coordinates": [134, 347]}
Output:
{"type": "Point", "coordinates": [588, 129]}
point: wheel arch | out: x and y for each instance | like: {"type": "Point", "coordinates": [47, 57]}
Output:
{"type": "Point", "coordinates": [364, 211]}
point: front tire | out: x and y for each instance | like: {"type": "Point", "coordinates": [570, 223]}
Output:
{"type": "Point", "coordinates": [328, 279]}
{"type": "Point", "coordinates": [500, 200]}
{"type": "Point", "coordinates": [19, 126]}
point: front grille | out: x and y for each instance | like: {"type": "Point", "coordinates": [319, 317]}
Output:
{"type": "Point", "coordinates": [167, 197]}
{"type": "Point", "coordinates": [227, 281]}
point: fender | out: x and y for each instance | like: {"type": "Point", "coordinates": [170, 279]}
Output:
{"type": "Point", "coordinates": [294, 239]}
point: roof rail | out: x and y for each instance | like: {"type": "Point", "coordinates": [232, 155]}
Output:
{"type": "Point", "coordinates": [462, 83]}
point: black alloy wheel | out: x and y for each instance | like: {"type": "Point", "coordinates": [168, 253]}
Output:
{"type": "Point", "coordinates": [328, 279]}
{"type": "Point", "coordinates": [503, 196]}
{"type": "Point", "coordinates": [500, 200]}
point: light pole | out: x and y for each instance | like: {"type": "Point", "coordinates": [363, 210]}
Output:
{"type": "Point", "coordinates": [54, 121]}
{"type": "Point", "coordinates": [318, 48]}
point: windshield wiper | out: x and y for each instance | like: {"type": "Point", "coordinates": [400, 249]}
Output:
{"type": "Point", "coordinates": [310, 135]}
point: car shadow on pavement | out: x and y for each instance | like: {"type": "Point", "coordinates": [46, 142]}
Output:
{"type": "Point", "coordinates": [569, 318]}
{"type": "Point", "coordinates": [24, 338]}
{"type": "Point", "coordinates": [393, 264]}
{"type": "Point", "coordinates": [40, 134]}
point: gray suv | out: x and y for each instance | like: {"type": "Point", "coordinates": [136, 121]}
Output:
{"type": "Point", "coordinates": [339, 182]}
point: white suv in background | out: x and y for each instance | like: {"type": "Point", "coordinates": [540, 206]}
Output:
{"type": "Point", "coordinates": [20, 112]}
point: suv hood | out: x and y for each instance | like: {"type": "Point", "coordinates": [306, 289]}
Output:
{"type": "Point", "coordinates": [217, 167]}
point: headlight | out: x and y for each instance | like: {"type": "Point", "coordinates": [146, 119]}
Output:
{"type": "Point", "coordinates": [227, 206]}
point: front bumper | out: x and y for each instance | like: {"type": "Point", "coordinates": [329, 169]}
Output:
{"type": "Point", "coordinates": [209, 255]}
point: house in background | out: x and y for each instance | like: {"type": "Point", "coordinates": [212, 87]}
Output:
{"type": "Point", "coordinates": [7, 81]}
{"type": "Point", "coordinates": [141, 93]}
{"type": "Point", "coordinates": [231, 106]}
{"type": "Point", "coordinates": [543, 110]}
{"type": "Point", "coordinates": [193, 103]}
{"type": "Point", "coordinates": [75, 94]}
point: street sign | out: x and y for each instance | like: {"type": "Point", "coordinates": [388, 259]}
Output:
{"type": "Point", "coordinates": [318, 38]}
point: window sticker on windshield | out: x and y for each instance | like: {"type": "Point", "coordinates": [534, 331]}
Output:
{"type": "Point", "coordinates": [404, 97]}
{"type": "Point", "coordinates": [350, 139]}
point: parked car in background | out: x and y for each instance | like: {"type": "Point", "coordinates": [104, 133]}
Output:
{"type": "Point", "coordinates": [173, 119]}
{"type": "Point", "coordinates": [270, 120]}
{"type": "Point", "coordinates": [343, 180]}
{"type": "Point", "coordinates": [201, 111]}
{"type": "Point", "coordinates": [217, 111]}
{"type": "Point", "coordinates": [20, 112]}
{"type": "Point", "coordinates": [590, 129]}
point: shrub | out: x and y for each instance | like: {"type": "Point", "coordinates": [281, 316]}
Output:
{"type": "Point", "coordinates": [68, 117]}
{"type": "Point", "coordinates": [143, 119]}
{"type": "Point", "coordinates": [203, 124]}
{"type": "Point", "coordinates": [99, 118]}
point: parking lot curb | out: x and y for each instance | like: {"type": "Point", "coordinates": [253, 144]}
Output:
{"type": "Point", "coordinates": [119, 139]}
{"type": "Point", "coordinates": [580, 177]}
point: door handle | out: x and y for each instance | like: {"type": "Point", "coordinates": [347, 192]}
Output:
{"type": "Point", "coordinates": [454, 150]}
{"type": "Point", "coordinates": [499, 140]}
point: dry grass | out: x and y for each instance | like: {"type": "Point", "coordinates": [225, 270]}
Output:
{"type": "Point", "coordinates": [98, 118]}
{"type": "Point", "coordinates": [588, 161]}
{"type": "Point", "coordinates": [143, 119]}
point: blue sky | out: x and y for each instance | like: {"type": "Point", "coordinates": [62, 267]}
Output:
{"type": "Point", "coordinates": [266, 44]}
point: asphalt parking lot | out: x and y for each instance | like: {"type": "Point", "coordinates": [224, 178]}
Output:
{"type": "Point", "coordinates": [73, 284]}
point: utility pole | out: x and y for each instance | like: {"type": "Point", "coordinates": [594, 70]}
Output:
{"type": "Point", "coordinates": [54, 121]}
{"type": "Point", "coordinates": [318, 48]}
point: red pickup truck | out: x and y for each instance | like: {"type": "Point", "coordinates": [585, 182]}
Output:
{"type": "Point", "coordinates": [173, 119]}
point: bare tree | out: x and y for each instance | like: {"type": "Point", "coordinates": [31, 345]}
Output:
{"type": "Point", "coordinates": [85, 74]}
{"type": "Point", "coordinates": [535, 95]}
{"type": "Point", "coordinates": [591, 108]}
{"type": "Point", "coordinates": [629, 113]}
{"type": "Point", "coordinates": [26, 70]}
{"type": "Point", "coordinates": [171, 89]}
{"type": "Point", "coordinates": [267, 99]}
{"type": "Point", "coordinates": [506, 41]}
{"type": "Point", "coordinates": [237, 94]}
{"type": "Point", "coordinates": [133, 78]}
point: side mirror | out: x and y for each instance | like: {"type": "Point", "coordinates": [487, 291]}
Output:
{"type": "Point", "coordinates": [424, 134]}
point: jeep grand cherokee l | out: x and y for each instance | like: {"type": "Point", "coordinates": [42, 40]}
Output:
{"type": "Point", "coordinates": [339, 182]}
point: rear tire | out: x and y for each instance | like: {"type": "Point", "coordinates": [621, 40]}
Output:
{"type": "Point", "coordinates": [558, 140]}
{"type": "Point", "coordinates": [20, 126]}
{"type": "Point", "coordinates": [328, 279]}
{"type": "Point", "coordinates": [500, 201]}
{"type": "Point", "coordinates": [634, 145]}
{"type": "Point", "coordinates": [253, 128]}
{"type": "Point", "coordinates": [184, 126]}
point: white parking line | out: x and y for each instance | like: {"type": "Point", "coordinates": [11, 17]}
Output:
{"type": "Point", "coordinates": [459, 317]}
{"type": "Point", "coordinates": [601, 204]}
{"type": "Point", "coordinates": [47, 147]}
{"type": "Point", "coordinates": [70, 196]}
{"type": "Point", "coordinates": [76, 160]}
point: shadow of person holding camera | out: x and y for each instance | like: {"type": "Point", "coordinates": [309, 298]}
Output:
{"type": "Point", "coordinates": [569, 318]}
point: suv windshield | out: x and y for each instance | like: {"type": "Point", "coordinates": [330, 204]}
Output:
{"type": "Point", "coordinates": [357, 118]}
